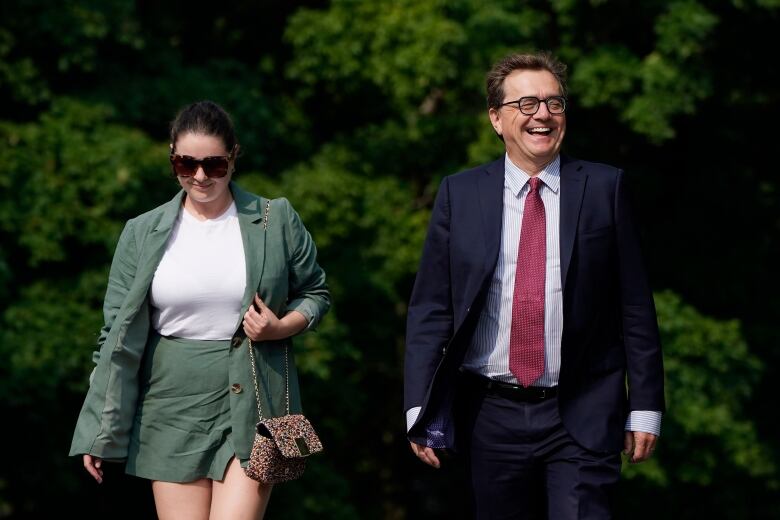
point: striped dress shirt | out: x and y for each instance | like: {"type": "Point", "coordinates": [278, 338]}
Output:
{"type": "Point", "coordinates": [488, 353]}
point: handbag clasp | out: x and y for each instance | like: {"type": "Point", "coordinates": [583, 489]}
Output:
{"type": "Point", "coordinates": [303, 448]}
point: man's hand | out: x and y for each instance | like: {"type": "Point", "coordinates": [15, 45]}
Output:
{"type": "Point", "coordinates": [426, 454]}
{"type": "Point", "coordinates": [639, 445]}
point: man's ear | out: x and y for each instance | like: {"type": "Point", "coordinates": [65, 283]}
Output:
{"type": "Point", "coordinates": [495, 120]}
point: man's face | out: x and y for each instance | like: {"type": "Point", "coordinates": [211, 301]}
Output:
{"type": "Point", "coordinates": [531, 141]}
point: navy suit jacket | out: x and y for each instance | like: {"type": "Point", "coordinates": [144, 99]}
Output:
{"type": "Point", "coordinates": [609, 319]}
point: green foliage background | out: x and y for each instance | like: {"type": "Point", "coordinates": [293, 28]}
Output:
{"type": "Point", "coordinates": [355, 110]}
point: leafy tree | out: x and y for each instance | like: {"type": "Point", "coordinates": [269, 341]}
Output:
{"type": "Point", "coordinates": [709, 444]}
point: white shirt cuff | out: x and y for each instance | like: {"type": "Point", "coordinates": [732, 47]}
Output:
{"type": "Point", "coordinates": [644, 421]}
{"type": "Point", "coordinates": [411, 416]}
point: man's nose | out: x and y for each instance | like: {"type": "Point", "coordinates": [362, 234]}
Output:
{"type": "Point", "coordinates": [543, 112]}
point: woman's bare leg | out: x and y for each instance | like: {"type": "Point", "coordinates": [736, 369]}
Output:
{"type": "Point", "coordinates": [185, 501]}
{"type": "Point", "coordinates": [238, 497]}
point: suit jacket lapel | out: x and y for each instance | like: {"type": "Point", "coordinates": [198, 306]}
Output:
{"type": "Point", "coordinates": [250, 219]}
{"type": "Point", "coordinates": [153, 248]}
{"type": "Point", "coordinates": [490, 189]}
{"type": "Point", "coordinates": [573, 181]}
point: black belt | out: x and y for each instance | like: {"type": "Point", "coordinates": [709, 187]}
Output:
{"type": "Point", "coordinates": [508, 390]}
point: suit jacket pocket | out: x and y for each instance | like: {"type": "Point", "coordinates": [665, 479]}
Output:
{"type": "Point", "coordinates": [602, 231]}
{"type": "Point", "coordinates": [608, 362]}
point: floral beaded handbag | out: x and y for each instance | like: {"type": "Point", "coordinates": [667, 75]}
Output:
{"type": "Point", "coordinates": [281, 443]}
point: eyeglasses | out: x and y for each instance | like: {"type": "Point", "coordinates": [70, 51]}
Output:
{"type": "Point", "coordinates": [529, 105]}
{"type": "Point", "coordinates": [214, 167]}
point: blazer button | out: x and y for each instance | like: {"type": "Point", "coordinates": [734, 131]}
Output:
{"type": "Point", "coordinates": [236, 342]}
{"type": "Point", "coordinates": [236, 388]}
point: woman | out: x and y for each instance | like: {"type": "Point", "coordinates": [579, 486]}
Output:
{"type": "Point", "coordinates": [172, 393]}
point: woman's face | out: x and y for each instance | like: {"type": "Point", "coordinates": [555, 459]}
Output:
{"type": "Point", "coordinates": [200, 188]}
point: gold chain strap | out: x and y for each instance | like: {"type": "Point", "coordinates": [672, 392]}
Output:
{"type": "Point", "coordinates": [257, 387]}
{"type": "Point", "coordinates": [252, 348]}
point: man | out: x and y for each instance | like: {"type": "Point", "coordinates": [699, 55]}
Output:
{"type": "Point", "coordinates": [530, 308]}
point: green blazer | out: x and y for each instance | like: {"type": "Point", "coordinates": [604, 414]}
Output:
{"type": "Point", "coordinates": [281, 265]}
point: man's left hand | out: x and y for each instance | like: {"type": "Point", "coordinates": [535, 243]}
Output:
{"type": "Point", "coordinates": [639, 445]}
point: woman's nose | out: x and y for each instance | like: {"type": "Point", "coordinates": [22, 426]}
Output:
{"type": "Point", "coordinates": [200, 175]}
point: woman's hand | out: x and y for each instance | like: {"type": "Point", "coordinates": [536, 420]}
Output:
{"type": "Point", "coordinates": [264, 325]}
{"type": "Point", "coordinates": [93, 465]}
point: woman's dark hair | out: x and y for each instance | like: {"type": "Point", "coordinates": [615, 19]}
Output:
{"type": "Point", "coordinates": [509, 64]}
{"type": "Point", "coordinates": [206, 118]}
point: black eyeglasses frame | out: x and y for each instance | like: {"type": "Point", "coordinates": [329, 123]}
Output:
{"type": "Point", "coordinates": [518, 103]}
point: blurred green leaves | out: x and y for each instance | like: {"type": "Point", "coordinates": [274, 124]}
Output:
{"type": "Point", "coordinates": [72, 177]}
{"type": "Point", "coordinates": [708, 437]}
{"type": "Point", "coordinates": [19, 76]}
{"type": "Point", "coordinates": [403, 49]}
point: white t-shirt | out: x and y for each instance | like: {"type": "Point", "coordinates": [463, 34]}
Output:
{"type": "Point", "coordinates": [198, 287]}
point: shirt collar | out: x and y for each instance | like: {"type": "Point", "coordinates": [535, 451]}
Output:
{"type": "Point", "coordinates": [515, 178]}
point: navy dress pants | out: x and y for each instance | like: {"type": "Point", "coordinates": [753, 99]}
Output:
{"type": "Point", "coordinates": [523, 464]}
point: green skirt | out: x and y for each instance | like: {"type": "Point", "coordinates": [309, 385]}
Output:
{"type": "Point", "coordinates": [182, 425]}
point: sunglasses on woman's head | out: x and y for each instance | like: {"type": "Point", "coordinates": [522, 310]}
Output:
{"type": "Point", "coordinates": [213, 167]}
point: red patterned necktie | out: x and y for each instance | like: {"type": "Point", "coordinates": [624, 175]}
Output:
{"type": "Point", "coordinates": [526, 338]}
